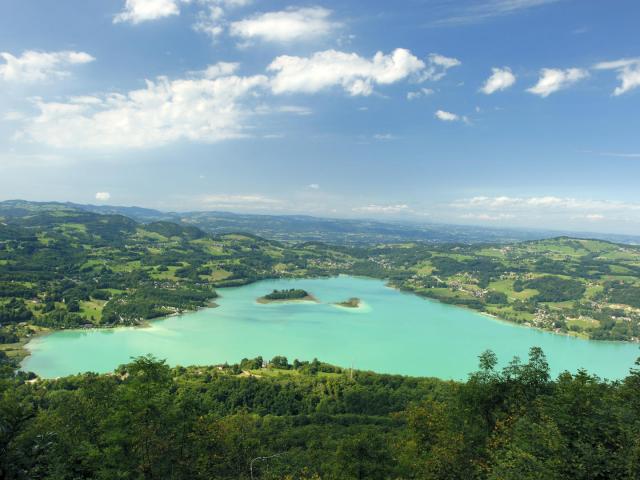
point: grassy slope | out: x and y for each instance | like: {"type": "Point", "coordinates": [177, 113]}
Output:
{"type": "Point", "coordinates": [62, 251]}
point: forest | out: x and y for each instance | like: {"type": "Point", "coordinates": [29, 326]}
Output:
{"type": "Point", "coordinates": [63, 267]}
{"type": "Point", "coordinates": [288, 294]}
{"type": "Point", "coordinates": [310, 420]}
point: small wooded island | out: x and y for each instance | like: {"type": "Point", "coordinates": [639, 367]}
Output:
{"type": "Point", "coordinates": [353, 302]}
{"type": "Point", "coordinates": [287, 295]}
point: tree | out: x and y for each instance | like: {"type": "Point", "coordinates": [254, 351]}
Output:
{"type": "Point", "coordinates": [363, 456]}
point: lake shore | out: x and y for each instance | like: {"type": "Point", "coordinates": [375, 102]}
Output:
{"type": "Point", "coordinates": [423, 333]}
{"type": "Point", "coordinates": [21, 349]}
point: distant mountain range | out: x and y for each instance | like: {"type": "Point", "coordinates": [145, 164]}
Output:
{"type": "Point", "coordinates": [304, 228]}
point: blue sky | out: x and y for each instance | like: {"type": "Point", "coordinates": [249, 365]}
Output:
{"type": "Point", "coordinates": [496, 112]}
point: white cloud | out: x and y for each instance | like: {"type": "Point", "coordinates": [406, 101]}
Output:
{"type": "Point", "coordinates": [547, 205]}
{"type": "Point", "coordinates": [357, 75]}
{"type": "Point", "coordinates": [295, 110]}
{"type": "Point", "coordinates": [197, 109]}
{"type": "Point", "coordinates": [103, 196]}
{"type": "Point", "coordinates": [476, 12]}
{"type": "Point", "coordinates": [620, 154]}
{"type": "Point", "coordinates": [628, 73]}
{"type": "Point", "coordinates": [33, 66]}
{"type": "Point", "coordinates": [423, 92]}
{"type": "Point", "coordinates": [220, 69]}
{"type": "Point", "coordinates": [13, 116]}
{"type": "Point", "coordinates": [241, 202]}
{"type": "Point", "coordinates": [548, 211]}
{"type": "Point", "coordinates": [137, 11]}
{"type": "Point", "coordinates": [485, 217]}
{"type": "Point", "coordinates": [437, 66]}
{"type": "Point", "coordinates": [553, 79]}
{"type": "Point", "coordinates": [445, 62]}
{"type": "Point", "coordinates": [446, 116]}
{"type": "Point", "coordinates": [210, 21]}
{"type": "Point", "coordinates": [373, 208]}
{"type": "Point", "coordinates": [293, 24]}
{"type": "Point", "coordinates": [384, 136]}
{"type": "Point", "coordinates": [314, 186]}
{"type": "Point", "coordinates": [500, 79]}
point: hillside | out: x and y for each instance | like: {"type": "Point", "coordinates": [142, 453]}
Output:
{"type": "Point", "coordinates": [585, 287]}
{"type": "Point", "coordinates": [305, 228]}
{"type": "Point", "coordinates": [69, 268]}
{"type": "Point", "coordinates": [310, 420]}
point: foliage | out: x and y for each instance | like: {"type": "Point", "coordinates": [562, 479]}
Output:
{"type": "Point", "coordinates": [555, 289]}
{"type": "Point", "coordinates": [150, 421]}
{"type": "Point", "coordinates": [289, 294]}
{"type": "Point", "coordinates": [63, 267]}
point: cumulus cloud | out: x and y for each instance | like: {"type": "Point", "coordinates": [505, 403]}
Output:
{"type": "Point", "coordinates": [446, 116]}
{"type": "Point", "coordinates": [137, 11]}
{"type": "Point", "coordinates": [208, 105]}
{"type": "Point", "coordinates": [293, 24]}
{"type": "Point", "coordinates": [423, 92]}
{"type": "Point", "coordinates": [553, 79]}
{"type": "Point", "coordinates": [198, 109]}
{"type": "Point", "coordinates": [330, 68]}
{"type": "Point", "coordinates": [547, 208]}
{"type": "Point", "coordinates": [373, 208]}
{"type": "Point", "coordinates": [500, 79]}
{"type": "Point", "coordinates": [437, 66]}
{"type": "Point", "coordinates": [33, 66]}
{"type": "Point", "coordinates": [210, 21]}
{"type": "Point", "coordinates": [103, 196]}
{"type": "Point", "coordinates": [220, 69]}
{"type": "Point", "coordinates": [628, 70]}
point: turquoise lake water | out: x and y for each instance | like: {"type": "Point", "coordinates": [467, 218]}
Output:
{"type": "Point", "coordinates": [392, 332]}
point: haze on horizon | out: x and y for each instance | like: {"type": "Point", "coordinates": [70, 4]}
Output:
{"type": "Point", "coordinates": [505, 113]}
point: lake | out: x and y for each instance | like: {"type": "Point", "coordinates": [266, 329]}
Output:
{"type": "Point", "coordinates": [392, 332]}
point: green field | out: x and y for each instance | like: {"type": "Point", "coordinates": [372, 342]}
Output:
{"type": "Point", "coordinates": [65, 268]}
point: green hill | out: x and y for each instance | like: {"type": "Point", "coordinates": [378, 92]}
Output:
{"type": "Point", "coordinates": [61, 267]}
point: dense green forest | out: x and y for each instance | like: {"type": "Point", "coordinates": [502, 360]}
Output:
{"type": "Point", "coordinates": [62, 267]}
{"type": "Point", "coordinates": [66, 268]}
{"type": "Point", "coordinates": [288, 294]}
{"type": "Point", "coordinates": [309, 420]}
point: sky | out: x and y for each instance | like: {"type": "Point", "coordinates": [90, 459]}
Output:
{"type": "Point", "coordinates": [508, 113]}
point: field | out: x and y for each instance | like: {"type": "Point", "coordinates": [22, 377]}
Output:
{"type": "Point", "coordinates": [65, 268]}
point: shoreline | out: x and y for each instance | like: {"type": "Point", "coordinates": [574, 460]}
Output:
{"type": "Point", "coordinates": [147, 323]}
{"type": "Point", "coordinates": [509, 322]}
{"type": "Point", "coordinates": [193, 324]}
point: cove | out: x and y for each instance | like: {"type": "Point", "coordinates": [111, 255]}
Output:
{"type": "Point", "coordinates": [391, 332]}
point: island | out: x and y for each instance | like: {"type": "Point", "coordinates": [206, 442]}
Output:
{"type": "Point", "coordinates": [287, 295]}
{"type": "Point", "coordinates": [353, 302]}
